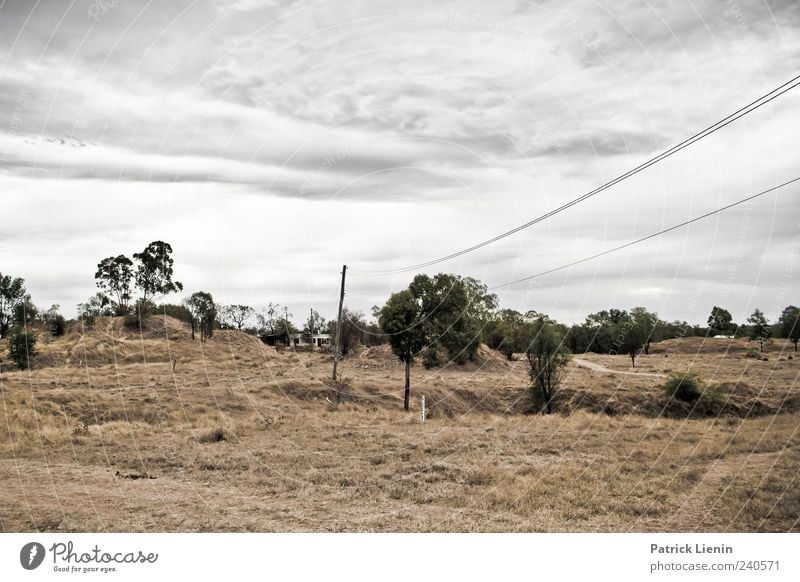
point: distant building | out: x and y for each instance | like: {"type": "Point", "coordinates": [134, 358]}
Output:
{"type": "Point", "coordinates": [724, 337]}
{"type": "Point", "coordinates": [297, 340]}
{"type": "Point", "coordinates": [275, 339]}
{"type": "Point", "coordinates": [304, 340]}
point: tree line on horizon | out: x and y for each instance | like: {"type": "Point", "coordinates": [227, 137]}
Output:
{"type": "Point", "coordinates": [437, 319]}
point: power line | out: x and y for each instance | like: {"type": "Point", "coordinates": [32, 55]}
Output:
{"type": "Point", "coordinates": [763, 100]}
{"type": "Point", "coordinates": [648, 237]}
{"type": "Point", "coordinates": [618, 248]}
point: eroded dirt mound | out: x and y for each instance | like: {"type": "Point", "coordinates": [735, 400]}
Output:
{"type": "Point", "coordinates": [160, 339]}
{"type": "Point", "coordinates": [703, 345]}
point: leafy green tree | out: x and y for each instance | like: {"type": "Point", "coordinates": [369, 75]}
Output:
{"type": "Point", "coordinates": [12, 291]}
{"type": "Point", "coordinates": [481, 305]}
{"type": "Point", "coordinates": [453, 310]}
{"type": "Point", "coordinates": [547, 357]}
{"type": "Point", "coordinates": [22, 346]}
{"type": "Point", "coordinates": [402, 318]}
{"type": "Point", "coordinates": [154, 271]}
{"type": "Point", "coordinates": [759, 327]}
{"type": "Point", "coordinates": [790, 324]}
{"type": "Point", "coordinates": [237, 315]}
{"type": "Point", "coordinates": [204, 314]}
{"type": "Point", "coordinates": [720, 321]}
{"type": "Point", "coordinates": [115, 277]}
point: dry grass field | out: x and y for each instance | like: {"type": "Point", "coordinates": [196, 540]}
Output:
{"type": "Point", "coordinates": [104, 435]}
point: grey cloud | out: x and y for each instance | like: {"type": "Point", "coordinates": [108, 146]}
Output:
{"type": "Point", "coordinates": [266, 131]}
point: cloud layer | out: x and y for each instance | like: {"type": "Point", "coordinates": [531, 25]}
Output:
{"type": "Point", "coordinates": [271, 142]}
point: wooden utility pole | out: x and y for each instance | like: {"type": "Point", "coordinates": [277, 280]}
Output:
{"type": "Point", "coordinates": [337, 349]}
{"type": "Point", "coordinates": [311, 328]}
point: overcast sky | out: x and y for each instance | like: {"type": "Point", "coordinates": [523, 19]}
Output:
{"type": "Point", "coordinates": [270, 142]}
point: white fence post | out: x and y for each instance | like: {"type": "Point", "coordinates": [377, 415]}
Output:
{"type": "Point", "coordinates": [422, 408]}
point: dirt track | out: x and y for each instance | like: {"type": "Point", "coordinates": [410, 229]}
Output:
{"type": "Point", "coordinates": [598, 368]}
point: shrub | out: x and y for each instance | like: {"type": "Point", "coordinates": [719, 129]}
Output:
{"type": "Point", "coordinates": [97, 306]}
{"type": "Point", "coordinates": [57, 325]}
{"type": "Point", "coordinates": [138, 315]}
{"type": "Point", "coordinates": [683, 386]}
{"type": "Point", "coordinates": [22, 347]}
{"type": "Point", "coordinates": [213, 436]}
{"type": "Point", "coordinates": [430, 359]}
{"type": "Point", "coordinates": [55, 322]}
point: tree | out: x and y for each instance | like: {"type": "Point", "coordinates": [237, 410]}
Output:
{"type": "Point", "coordinates": [98, 305]}
{"type": "Point", "coordinates": [179, 312]}
{"type": "Point", "coordinates": [154, 272]}
{"type": "Point", "coordinates": [237, 315]}
{"type": "Point", "coordinates": [353, 324]}
{"type": "Point", "coordinates": [453, 308]}
{"type": "Point", "coordinates": [55, 322]}
{"type": "Point", "coordinates": [759, 327]}
{"type": "Point", "coordinates": [204, 314]}
{"type": "Point", "coordinates": [482, 305]}
{"type": "Point", "coordinates": [114, 276]}
{"type": "Point", "coordinates": [374, 336]}
{"type": "Point", "coordinates": [600, 330]}
{"type": "Point", "coordinates": [314, 324]}
{"type": "Point", "coordinates": [720, 321]}
{"type": "Point", "coordinates": [790, 324]}
{"type": "Point", "coordinates": [12, 291]}
{"type": "Point", "coordinates": [498, 332]}
{"type": "Point", "coordinates": [547, 357]}
{"type": "Point", "coordinates": [284, 326]}
{"type": "Point", "coordinates": [648, 321]}
{"type": "Point", "coordinates": [272, 320]}
{"type": "Point", "coordinates": [22, 346]}
{"type": "Point", "coordinates": [401, 318]}
{"type": "Point", "coordinates": [630, 336]}
{"type": "Point", "coordinates": [25, 312]}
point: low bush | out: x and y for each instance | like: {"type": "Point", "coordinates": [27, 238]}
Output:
{"type": "Point", "coordinates": [138, 315]}
{"type": "Point", "coordinates": [213, 436]}
{"type": "Point", "coordinates": [683, 386]}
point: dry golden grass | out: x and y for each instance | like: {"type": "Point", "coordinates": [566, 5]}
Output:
{"type": "Point", "coordinates": [239, 437]}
